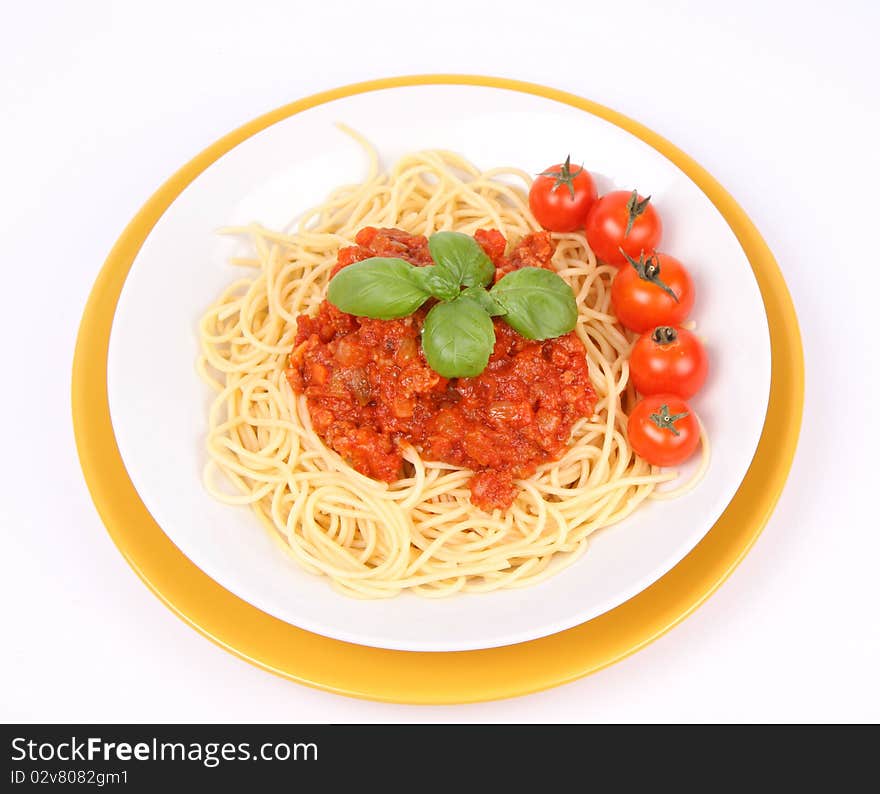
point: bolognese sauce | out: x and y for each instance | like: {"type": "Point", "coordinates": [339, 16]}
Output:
{"type": "Point", "coordinates": [370, 392]}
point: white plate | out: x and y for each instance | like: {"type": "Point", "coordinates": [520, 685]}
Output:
{"type": "Point", "coordinates": [158, 405]}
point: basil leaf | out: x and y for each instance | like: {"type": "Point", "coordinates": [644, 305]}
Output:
{"type": "Point", "coordinates": [461, 256]}
{"type": "Point", "coordinates": [437, 282]}
{"type": "Point", "coordinates": [381, 288]}
{"type": "Point", "coordinates": [485, 299]}
{"type": "Point", "coordinates": [458, 338]}
{"type": "Point", "coordinates": [539, 304]}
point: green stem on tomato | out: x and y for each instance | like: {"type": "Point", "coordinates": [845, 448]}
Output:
{"type": "Point", "coordinates": [649, 270]}
{"type": "Point", "coordinates": [564, 176]}
{"type": "Point", "coordinates": [666, 421]}
{"type": "Point", "coordinates": [634, 208]}
{"type": "Point", "coordinates": [664, 335]}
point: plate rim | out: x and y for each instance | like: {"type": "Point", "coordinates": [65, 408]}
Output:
{"type": "Point", "coordinates": [430, 676]}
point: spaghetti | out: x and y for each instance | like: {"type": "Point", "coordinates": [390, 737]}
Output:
{"type": "Point", "coordinates": [420, 533]}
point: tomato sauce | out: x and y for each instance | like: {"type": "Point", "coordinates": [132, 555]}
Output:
{"type": "Point", "coordinates": [370, 391]}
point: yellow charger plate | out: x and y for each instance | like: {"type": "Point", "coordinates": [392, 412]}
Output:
{"type": "Point", "coordinates": [401, 676]}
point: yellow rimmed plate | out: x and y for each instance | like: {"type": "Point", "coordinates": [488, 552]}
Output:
{"type": "Point", "coordinates": [430, 677]}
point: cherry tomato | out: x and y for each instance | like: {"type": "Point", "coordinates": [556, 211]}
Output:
{"type": "Point", "coordinates": [621, 219]}
{"type": "Point", "coordinates": [663, 430]}
{"type": "Point", "coordinates": [651, 291]}
{"type": "Point", "coordinates": [668, 360]}
{"type": "Point", "coordinates": [561, 197]}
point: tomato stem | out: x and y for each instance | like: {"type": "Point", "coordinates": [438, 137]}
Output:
{"type": "Point", "coordinates": [666, 421]}
{"type": "Point", "coordinates": [649, 270]}
{"type": "Point", "coordinates": [564, 176]}
{"type": "Point", "coordinates": [634, 208]}
{"type": "Point", "coordinates": [664, 335]}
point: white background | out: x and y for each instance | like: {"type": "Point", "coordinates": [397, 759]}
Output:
{"type": "Point", "coordinates": [102, 101]}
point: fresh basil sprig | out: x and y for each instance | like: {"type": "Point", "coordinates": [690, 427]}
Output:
{"type": "Point", "coordinates": [462, 258]}
{"type": "Point", "coordinates": [381, 288]}
{"type": "Point", "coordinates": [437, 282]}
{"type": "Point", "coordinates": [458, 335]}
{"type": "Point", "coordinates": [458, 338]}
{"type": "Point", "coordinates": [485, 299]}
{"type": "Point", "coordinates": [537, 303]}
